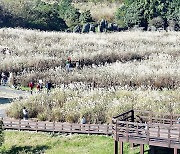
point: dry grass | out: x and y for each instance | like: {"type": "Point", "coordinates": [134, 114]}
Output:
{"type": "Point", "coordinates": [129, 58]}
{"type": "Point", "coordinates": [135, 69]}
{"type": "Point", "coordinates": [99, 10]}
{"type": "Point", "coordinates": [98, 105]}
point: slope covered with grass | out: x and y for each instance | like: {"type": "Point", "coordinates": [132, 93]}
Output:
{"type": "Point", "coordinates": [26, 142]}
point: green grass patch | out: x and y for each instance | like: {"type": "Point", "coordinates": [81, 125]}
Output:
{"type": "Point", "coordinates": [30, 142]}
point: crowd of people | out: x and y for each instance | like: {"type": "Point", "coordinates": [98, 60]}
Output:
{"type": "Point", "coordinates": [39, 86]}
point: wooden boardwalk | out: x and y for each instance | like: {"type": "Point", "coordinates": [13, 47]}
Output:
{"type": "Point", "coordinates": [145, 128]}
{"type": "Point", "coordinates": [136, 127]}
{"type": "Point", "coordinates": [59, 127]}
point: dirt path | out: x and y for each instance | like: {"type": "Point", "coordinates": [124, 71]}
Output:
{"type": "Point", "coordinates": [6, 96]}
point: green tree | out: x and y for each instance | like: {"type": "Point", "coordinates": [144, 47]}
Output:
{"type": "Point", "coordinates": [45, 17]}
{"type": "Point", "coordinates": [142, 11]}
{"type": "Point", "coordinates": [85, 17]}
{"type": "Point", "coordinates": [69, 13]}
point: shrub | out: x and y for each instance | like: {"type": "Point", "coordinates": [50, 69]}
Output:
{"type": "Point", "coordinates": [97, 106]}
{"type": "Point", "coordinates": [85, 17]}
{"type": "Point", "coordinates": [45, 17]}
{"type": "Point", "coordinates": [157, 22]}
{"type": "Point", "coordinates": [68, 13]}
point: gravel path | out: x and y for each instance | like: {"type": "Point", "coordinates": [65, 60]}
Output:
{"type": "Point", "coordinates": [6, 96]}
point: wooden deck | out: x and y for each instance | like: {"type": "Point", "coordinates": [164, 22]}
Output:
{"type": "Point", "coordinates": [145, 128]}
{"type": "Point", "coordinates": [136, 127]}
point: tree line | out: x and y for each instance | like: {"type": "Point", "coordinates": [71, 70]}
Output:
{"type": "Point", "coordinates": [61, 15]}
{"type": "Point", "coordinates": [144, 13]}
{"type": "Point", "coordinates": [37, 14]}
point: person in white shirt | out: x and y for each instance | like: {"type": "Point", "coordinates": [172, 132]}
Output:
{"type": "Point", "coordinates": [25, 114]}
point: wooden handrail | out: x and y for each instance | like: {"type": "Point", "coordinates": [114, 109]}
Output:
{"type": "Point", "coordinates": [115, 117]}
{"type": "Point", "coordinates": [57, 127]}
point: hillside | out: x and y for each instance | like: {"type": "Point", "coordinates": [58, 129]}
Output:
{"type": "Point", "coordinates": [68, 15]}
{"type": "Point", "coordinates": [119, 71]}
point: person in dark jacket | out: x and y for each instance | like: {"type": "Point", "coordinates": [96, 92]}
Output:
{"type": "Point", "coordinates": [48, 86]}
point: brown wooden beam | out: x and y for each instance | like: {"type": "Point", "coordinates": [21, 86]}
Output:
{"type": "Point", "coordinates": [120, 147]}
{"type": "Point", "coordinates": [131, 145]}
{"type": "Point", "coordinates": [115, 147]}
{"type": "Point", "coordinates": [175, 151]}
{"type": "Point", "coordinates": [142, 149]}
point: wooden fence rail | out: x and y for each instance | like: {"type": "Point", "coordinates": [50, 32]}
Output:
{"type": "Point", "coordinates": [153, 117]}
{"type": "Point", "coordinates": [145, 127]}
{"type": "Point", "coordinates": [46, 126]}
{"type": "Point", "coordinates": [147, 133]}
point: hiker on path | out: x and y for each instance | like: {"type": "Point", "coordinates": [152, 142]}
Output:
{"type": "Point", "coordinates": [83, 120]}
{"type": "Point", "coordinates": [25, 114]}
{"type": "Point", "coordinates": [31, 86]}
{"type": "Point", "coordinates": [68, 64]}
{"type": "Point", "coordinates": [11, 80]}
{"type": "Point", "coordinates": [48, 86]}
{"type": "Point", "coordinates": [4, 79]}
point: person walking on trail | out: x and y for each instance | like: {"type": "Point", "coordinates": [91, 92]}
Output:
{"type": "Point", "coordinates": [41, 84]}
{"type": "Point", "coordinates": [38, 87]}
{"type": "Point", "coordinates": [4, 79]}
{"type": "Point", "coordinates": [48, 86]}
{"type": "Point", "coordinates": [25, 114]}
{"type": "Point", "coordinates": [68, 64]}
{"type": "Point", "coordinates": [83, 120]}
{"type": "Point", "coordinates": [31, 86]}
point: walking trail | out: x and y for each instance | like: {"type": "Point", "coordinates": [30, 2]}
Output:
{"type": "Point", "coordinates": [7, 94]}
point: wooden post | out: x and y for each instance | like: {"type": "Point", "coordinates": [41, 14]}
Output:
{"type": "Point", "coordinates": [151, 117]}
{"type": "Point", "coordinates": [120, 147]}
{"type": "Point", "coordinates": [142, 149]}
{"type": "Point", "coordinates": [36, 125]}
{"type": "Point", "coordinates": [53, 126]}
{"type": "Point", "coordinates": [115, 147]}
{"type": "Point", "coordinates": [127, 132]}
{"type": "Point", "coordinates": [158, 133]}
{"type": "Point", "coordinates": [147, 133]}
{"type": "Point", "coordinates": [132, 116]}
{"type": "Point", "coordinates": [19, 125]}
{"type": "Point", "coordinates": [171, 120]}
{"type": "Point", "coordinates": [179, 134]}
{"type": "Point", "coordinates": [175, 151]}
{"type": "Point", "coordinates": [131, 145]}
{"type": "Point", "coordinates": [107, 129]}
{"type": "Point", "coordinates": [89, 129]}
{"type": "Point", "coordinates": [117, 137]}
{"type": "Point", "coordinates": [169, 141]}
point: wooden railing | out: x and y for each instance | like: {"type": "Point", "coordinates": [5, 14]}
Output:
{"type": "Point", "coordinates": [127, 116]}
{"type": "Point", "coordinates": [46, 126]}
{"type": "Point", "coordinates": [153, 117]}
{"type": "Point", "coordinates": [152, 134]}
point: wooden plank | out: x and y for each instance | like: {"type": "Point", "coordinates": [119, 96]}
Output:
{"type": "Point", "coordinates": [175, 151]}
{"type": "Point", "coordinates": [141, 148]}
{"type": "Point", "coordinates": [121, 149]}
